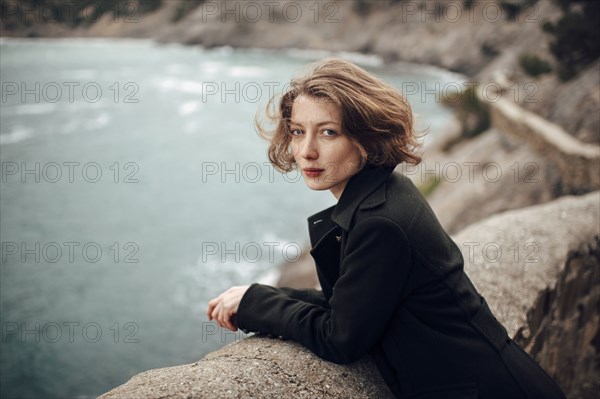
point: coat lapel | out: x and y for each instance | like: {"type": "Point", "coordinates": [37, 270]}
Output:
{"type": "Point", "coordinates": [329, 228]}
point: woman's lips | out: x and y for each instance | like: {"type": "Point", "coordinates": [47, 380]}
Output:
{"type": "Point", "coordinates": [313, 172]}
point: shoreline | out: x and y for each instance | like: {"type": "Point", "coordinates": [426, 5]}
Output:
{"type": "Point", "coordinates": [365, 59]}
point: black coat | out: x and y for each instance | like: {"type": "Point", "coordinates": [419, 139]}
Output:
{"type": "Point", "coordinates": [393, 286]}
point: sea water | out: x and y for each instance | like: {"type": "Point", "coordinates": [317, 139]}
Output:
{"type": "Point", "coordinates": [134, 189]}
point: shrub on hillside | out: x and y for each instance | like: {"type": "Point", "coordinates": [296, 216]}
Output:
{"type": "Point", "coordinates": [534, 65]}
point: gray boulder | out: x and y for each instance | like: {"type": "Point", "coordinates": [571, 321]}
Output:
{"type": "Point", "coordinates": [513, 256]}
{"type": "Point", "coordinates": [258, 367]}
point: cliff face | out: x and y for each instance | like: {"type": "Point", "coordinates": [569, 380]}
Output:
{"type": "Point", "coordinates": [564, 324]}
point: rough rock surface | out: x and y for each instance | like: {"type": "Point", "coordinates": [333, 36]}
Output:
{"type": "Point", "coordinates": [512, 256]}
{"type": "Point", "coordinates": [258, 367]}
{"type": "Point", "coordinates": [565, 324]}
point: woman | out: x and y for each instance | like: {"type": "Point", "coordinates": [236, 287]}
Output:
{"type": "Point", "coordinates": [392, 280]}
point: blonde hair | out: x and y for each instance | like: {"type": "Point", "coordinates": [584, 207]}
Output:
{"type": "Point", "coordinates": [374, 115]}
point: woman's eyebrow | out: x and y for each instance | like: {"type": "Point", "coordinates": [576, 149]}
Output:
{"type": "Point", "coordinates": [318, 124]}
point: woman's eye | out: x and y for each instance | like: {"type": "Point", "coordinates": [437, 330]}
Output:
{"type": "Point", "coordinates": [295, 132]}
{"type": "Point", "coordinates": [329, 132]}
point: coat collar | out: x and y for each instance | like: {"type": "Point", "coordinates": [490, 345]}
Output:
{"type": "Point", "coordinates": [363, 183]}
{"type": "Point", "coordinates": [359, 186]}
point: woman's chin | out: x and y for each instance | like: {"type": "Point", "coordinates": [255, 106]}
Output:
{"type": "Point", "coordinates": [315, 185]}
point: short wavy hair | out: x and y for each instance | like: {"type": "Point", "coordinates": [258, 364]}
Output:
{"type": "Point", "coordinates": [374, 115]}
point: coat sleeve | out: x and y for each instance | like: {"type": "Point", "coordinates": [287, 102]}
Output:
{"type": "Point", "coordinates": [374, 277]}
{"type": "Point", "coordinates": [309, 295]}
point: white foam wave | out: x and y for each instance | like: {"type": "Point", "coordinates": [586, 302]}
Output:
{"type": "Point", "coordinates": [30, 109]}
{"type": "Point", "coordinates": [245, 72]}
{"type": "Point", "coordinates": [19, 133]}
{"type": "Point", "coordinates": [99, 121]}
{"type": "Point", "coordinates": [175, 69]}
{"type": "Point", "coordinates": [211, 68]}
{"type": "Point", "coordinates": [432, 70]}
{"type": "Point", "coordinates": [352, 56]}
{"type": "Point", "coordinates": [189, 107]}
{"type": "Point", "coordinates": [360, 58]}
{"type": "Point", "coordinates": [184, 86]}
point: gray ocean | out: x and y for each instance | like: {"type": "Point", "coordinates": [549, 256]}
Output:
{"type": "Point", "coordinates": [134, 189]}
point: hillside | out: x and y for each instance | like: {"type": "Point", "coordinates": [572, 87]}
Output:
{"type": "Point", "coordinates": [486, 40]}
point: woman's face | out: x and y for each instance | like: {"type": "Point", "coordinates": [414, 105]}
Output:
{"type": "Point", "coordinates": [325, 155]}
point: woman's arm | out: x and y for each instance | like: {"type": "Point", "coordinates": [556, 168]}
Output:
{"type": "Point", "coordinates": [309, 295]}
{"type": "Point", "coordinates": [374, 278]}
{"type": "Point", "coordinates": [223, 309]}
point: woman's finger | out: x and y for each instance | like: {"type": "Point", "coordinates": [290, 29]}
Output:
{"type": "Point", "coordinates": [226, 317]}
{"type": "Point", "coordinates": [211, 305]}
{"type": "Point", "coordinates": [228, 322]}
{"type": "Point", "coordinates": [209, 311]}
{"type": "Point", "coordinates": [215, 315]}
{"type": "Point", "coordinates": [214, 301]}
{"type": "Point", "coordinates": [221, 314]}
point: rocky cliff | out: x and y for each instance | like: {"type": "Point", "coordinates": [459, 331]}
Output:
{"type": "Point", "coordinates": [564, 324]}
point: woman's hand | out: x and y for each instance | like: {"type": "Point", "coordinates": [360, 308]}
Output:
{"type": "Point", "coordinates": [226, 305]}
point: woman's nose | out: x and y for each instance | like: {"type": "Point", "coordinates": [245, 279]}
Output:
{"type": "Point", "coordinates": [308, 148]}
